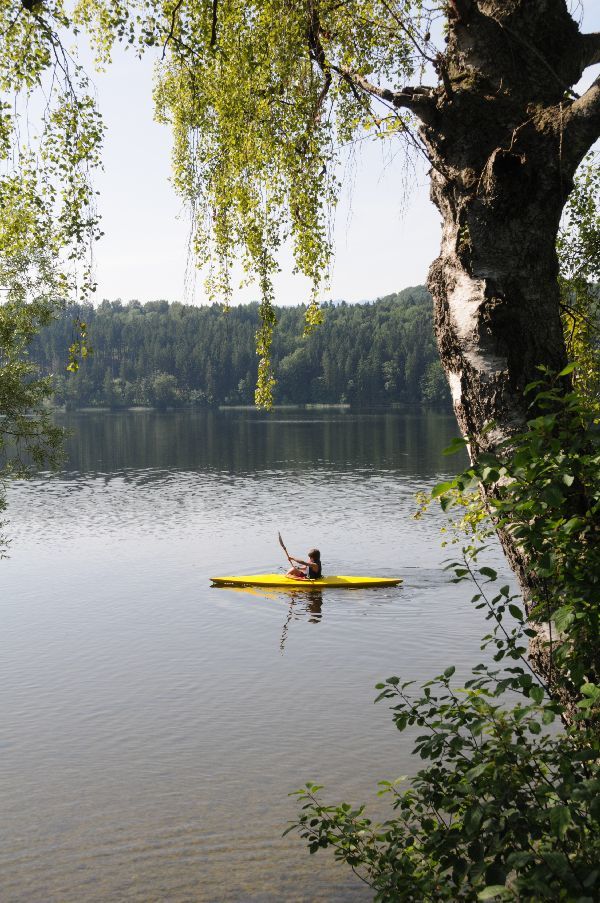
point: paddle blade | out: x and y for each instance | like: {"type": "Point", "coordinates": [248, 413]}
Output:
{"type": "Point", "coordinates": [281, 543]}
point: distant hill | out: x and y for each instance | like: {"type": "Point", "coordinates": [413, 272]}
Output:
{"type": "Point", "coordinates": [166, 354]}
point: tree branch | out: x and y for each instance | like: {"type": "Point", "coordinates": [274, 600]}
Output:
{"type": "Point", "coordinates": [171, 33]}
{"type": "Point", "coordinates": [213, 30]}
{"type": "Point", "coordinates": [582, 124]}
{"type": "Point", "coordinates": [590, 52]}
{"type": "Point", "coordinates": [409, 33]}
{"type": "Point", "coordinates": [317, 53]}
{"type": "Point", "coordinates": [419, 100]}
{"type": "Point", "coordinates": [322, 95]}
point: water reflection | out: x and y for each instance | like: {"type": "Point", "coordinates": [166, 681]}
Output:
{"type": "Point", "coordinates": [302, 604]}
{"type": "Point", "coordinates": [250, 442]}
{"type": "Point", "coordinates": [310, 603]}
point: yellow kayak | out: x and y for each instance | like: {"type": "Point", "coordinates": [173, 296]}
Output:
{"type": "Point", "coordinates": [284, 582]}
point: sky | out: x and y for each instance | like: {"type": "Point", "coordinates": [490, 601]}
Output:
{"type": "Point", "coordinates": [386, 234]}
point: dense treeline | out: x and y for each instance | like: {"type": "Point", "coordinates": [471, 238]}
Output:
{"type": "Point", "coordinates": [165, 354]}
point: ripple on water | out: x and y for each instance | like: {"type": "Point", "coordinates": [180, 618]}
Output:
{"type": "Point", "coordinates": [152, 725]}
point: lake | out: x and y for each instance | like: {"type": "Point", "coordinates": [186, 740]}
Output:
{"type": "Point", "coordinates": [152, 726]}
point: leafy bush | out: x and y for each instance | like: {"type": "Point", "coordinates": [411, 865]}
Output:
{"type": "Point", "coordinates": [543, 487]}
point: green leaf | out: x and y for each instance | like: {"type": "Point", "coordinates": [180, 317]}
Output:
{"type": "Point", "coordinates": [537, 693]}
{"type": "Point", "coordinates": [592, 691]}
{"type": "Point", "coordinates": [476, 772]}
{"type": "Point", "coordinates": [560, 819]}
{"type": "Point", "coordinates": [568, 369]}
{"type": "Point", "coordinates": [546, 565]}
{"type": "Point", "coordinates": [455, 446]}
{"type": "Point", "coordinates": [488, 572]}
{"type": "Point", "coordinates": [489, 475]}
{"type": "Point", "coordinates": [519, 859]}
{"type": "Point", "coordinates": [441, 488]}
{"type": "Point", "coordinates": [492, 891]}
{"type": "Point", "coordinates": [553, 496]}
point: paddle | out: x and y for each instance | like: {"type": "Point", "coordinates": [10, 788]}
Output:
{"type": "Point", "coordinates": [284, 549]}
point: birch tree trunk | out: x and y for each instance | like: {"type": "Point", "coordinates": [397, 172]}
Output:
{"type": "Point", "coordinates": [504, 140]}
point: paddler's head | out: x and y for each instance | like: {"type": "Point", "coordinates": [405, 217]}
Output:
{"type": "Point", "coordinates": [314, 554]}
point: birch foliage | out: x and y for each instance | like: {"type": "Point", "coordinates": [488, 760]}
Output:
{"type": "Point", "coordinates": [50, 142]}
{"type": "Point", "coordinates": [260, 100]}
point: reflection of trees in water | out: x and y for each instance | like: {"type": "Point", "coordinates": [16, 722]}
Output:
{"type": "Point", "coordinates": [302, 603]}
{"type": "Point", "coordinates": [246, 442]}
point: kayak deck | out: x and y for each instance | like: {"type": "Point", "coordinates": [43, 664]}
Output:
{"type": "Point", "coordinates": [280, 580]}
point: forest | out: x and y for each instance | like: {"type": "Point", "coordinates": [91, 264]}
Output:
{"type": "Point", "coordinates": [169, 354]}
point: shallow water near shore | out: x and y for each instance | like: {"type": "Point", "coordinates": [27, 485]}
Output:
{"type": "Point", "coordinates": [152, 726]}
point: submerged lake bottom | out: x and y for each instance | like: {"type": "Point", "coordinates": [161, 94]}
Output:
{"type": "Point", "coordinates": [153, 725]}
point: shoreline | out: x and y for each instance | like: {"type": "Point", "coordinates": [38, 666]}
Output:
{"type": "Point", "coordinates": [342, 407]}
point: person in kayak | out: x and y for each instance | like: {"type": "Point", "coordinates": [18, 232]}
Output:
{"type": "Point", "coordinates": [307, 570]}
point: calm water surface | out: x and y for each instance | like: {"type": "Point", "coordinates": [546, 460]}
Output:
{"type": "Point", "coordinates": [153, 726]}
